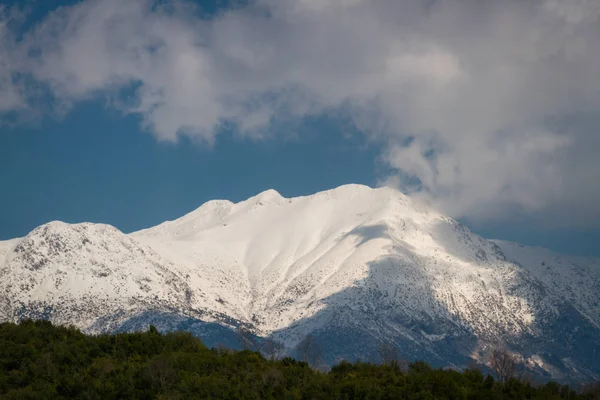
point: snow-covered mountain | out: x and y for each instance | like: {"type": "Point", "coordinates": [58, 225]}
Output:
{"type": "Point", "coordinates": [353, 267]}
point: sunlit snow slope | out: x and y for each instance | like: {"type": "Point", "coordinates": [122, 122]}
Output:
{"type": "Point", "coordinates": [352, 266]}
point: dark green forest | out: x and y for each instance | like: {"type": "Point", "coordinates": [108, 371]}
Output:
{"type": "Point", "coordinates": [42, 361]}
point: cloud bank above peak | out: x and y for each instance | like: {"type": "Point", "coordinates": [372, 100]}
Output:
{"type": "Point", "coordinates": [489, 110]}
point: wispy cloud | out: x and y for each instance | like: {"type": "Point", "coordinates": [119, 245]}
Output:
{"type": "Point", "coordinates": [493, 106]}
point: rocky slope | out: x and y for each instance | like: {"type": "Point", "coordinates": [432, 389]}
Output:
{"type": "Point", "coordinates": [353, 267]}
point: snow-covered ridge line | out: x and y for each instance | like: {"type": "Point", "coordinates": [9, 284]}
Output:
{"type": "Point", "coordinates": [343, 265]}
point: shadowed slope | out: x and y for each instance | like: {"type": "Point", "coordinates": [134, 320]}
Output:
{"type": "Point", "coordinates": [346, 265]}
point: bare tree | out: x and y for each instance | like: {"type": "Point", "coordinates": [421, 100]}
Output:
{"type": "Point", "coordinates": [503, 363]}
{"type": "Point", "coordinates": [161, 372]}
{"type": "Point", "coordinates": [592, 390]}
{"type": "Point", "coordinates": [246, 337]}
{"type": "Point", "coordinates": [222, 349]}
{"type": "Point", "coordinates": [388, 353]}
{"type": "Point", "coordinates": [273, 349]}
{"type": "Point", "coordinates": [473, 365]}
{"type": "Point", "coordinates": [309, 351]}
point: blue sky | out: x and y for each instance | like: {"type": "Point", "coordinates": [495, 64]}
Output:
{"type": "Point", "coordinates": [95, 165]}
{"type": "Point", "coordinates": [134, 114]}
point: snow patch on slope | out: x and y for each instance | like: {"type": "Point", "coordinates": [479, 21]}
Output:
{"type": "Point", "coordinates": [577, 279]}
{"type": "Point", "coordinates": [349, 265]}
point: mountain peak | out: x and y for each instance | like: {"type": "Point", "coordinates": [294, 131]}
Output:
{"type": "Point", "coordinates": [269, 196]}
{"type": "Point", "coordinates": [346, 190]}
{"type": "Point", "coordinates": [334, 264]}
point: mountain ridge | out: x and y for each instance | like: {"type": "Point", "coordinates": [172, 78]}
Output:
{"type": "Point", "coordinates": [342, 265]}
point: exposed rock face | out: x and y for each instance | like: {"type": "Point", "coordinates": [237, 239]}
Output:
{"type": "Point", "coordinates": [352, 266]}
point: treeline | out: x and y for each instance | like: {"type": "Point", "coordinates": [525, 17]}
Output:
{"type": "Point", "coordinates": [41, 361]}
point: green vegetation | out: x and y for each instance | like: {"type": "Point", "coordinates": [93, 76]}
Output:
{"type": "Point", "coordinates": [41, 361]}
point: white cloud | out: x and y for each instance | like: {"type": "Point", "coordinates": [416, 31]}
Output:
{"type": "Point", "coordinates": [11, 96]}
{"type": "Point", "coordinates": [501, 98]}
